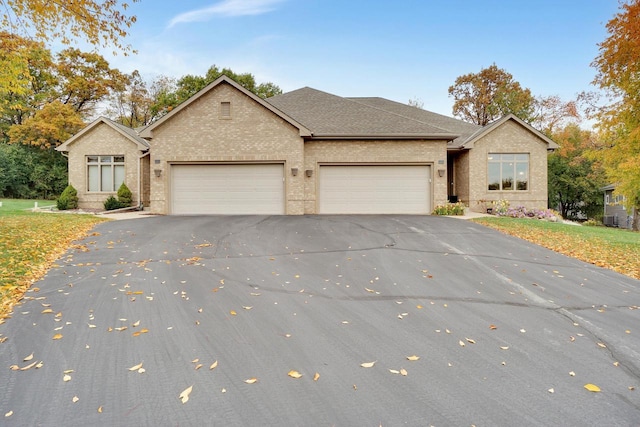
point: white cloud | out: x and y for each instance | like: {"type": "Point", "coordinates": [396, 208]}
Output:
{"type": "Point", "coordinates": [226, 8]}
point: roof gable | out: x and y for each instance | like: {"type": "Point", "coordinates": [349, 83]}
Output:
{"type": "Point", "coordinates": [148, 131]}
{"type": "Point", "coordinates": [128, 133]}
{"type": "Point", "coordinates": [551, 145]}
{"type": "Point", "coordinates": [332, 116]}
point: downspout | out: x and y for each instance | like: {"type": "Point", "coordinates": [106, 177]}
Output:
{"type": "Point", "coordinates": [140, 203]}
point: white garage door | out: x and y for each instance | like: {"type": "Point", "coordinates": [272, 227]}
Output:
{"type": "Point", "coordinates": [374, 189]}
{"type": "Point", "coordinates": [227, 189]}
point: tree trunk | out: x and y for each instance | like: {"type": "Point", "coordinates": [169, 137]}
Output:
{"type": "Point", "coordinates": [635, 219]}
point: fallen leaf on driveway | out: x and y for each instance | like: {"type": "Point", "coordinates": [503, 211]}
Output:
{"type": "Point", "coordinates": [233, 313]}
{"type": "Point", "coordinates": [413, 358]}
{"type": "Point", "coordinates": [8, 414]}
{"type": "Point", "coordinates": [184, 396]}
{"type": "Point", "coordinates": [214, 365]}
{"type": "Point", "coordinates": [294, 374]}
{"type": "Point", "coordinates": [403, 372]}
{"type": "Point", "coordinates": [136, 367]}
{"type": "Point", "coordinates": [316, 376]}
{"type": "Point", "coordinates": [470, 341]}
{"type": "Point", "coordinates": [393, 371]}
{"type": "Point", "coordinates": [251, 380]}
{"type": "Point", "coordinates": [601, 345]}
{"type": "Point", "coordinates": [75, 399]}
{"type": "Point", "coordinates": [57, 336]}
{"type": "Point", "coordinates": [29, 366]}
{"type": "Point", "coordinates": [66, 378]}
{"type": "Point", "coordinates": [368, 364]}
{"type": "Point", "coordinates": [29, 357]}
{"type": "Point", "coordinates": [592, 387]}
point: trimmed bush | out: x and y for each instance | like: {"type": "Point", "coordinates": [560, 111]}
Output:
{"type": "Point", "coordinates": [124, 195]}
{"type": "Point", "coordinates": [68, 199]}
{"type": "Point", "coordinates": [62, 203]}
{"type": "Point", "coordinates": [112, 203]}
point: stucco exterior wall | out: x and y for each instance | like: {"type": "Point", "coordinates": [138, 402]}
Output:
{"type": "Point", "coordinates": [374, 152]}
{"type": "Point", "coordinates": [198, 134]}
{"type": "Point", "coordinates": [102, 141]}
{"type": "Point", "coordinates": [510, 137]}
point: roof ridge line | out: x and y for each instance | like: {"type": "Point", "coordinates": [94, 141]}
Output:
{"type": "Point", "coordinates": [397, 114]}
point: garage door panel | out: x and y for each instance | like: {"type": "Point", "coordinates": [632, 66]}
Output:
{"type": "Point", "coordinates": [387, 189]}
{"type": "Point", "coordinates": [227, 189]}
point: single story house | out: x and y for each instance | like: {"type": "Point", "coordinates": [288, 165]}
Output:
{"type": "Point", "coordinates": [615, 211]}
{"type": "Point", "coordinates": [227, 151]}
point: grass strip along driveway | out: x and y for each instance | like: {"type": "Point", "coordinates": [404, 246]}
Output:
{"type": "Point", "coordinates": [611, 248]}
{"type": "Point", "coordinates": [29, 243]}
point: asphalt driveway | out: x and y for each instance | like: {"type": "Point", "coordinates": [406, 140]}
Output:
{"type": "Point", "coordinates": [227, 311]}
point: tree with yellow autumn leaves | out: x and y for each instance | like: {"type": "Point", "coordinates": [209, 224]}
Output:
{"type": "Point", "coordinates": [618, 65]}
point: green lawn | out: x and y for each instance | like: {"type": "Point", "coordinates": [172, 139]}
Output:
{"type": "Point", "coordinates": [12, 206]}
{"type": "Point", "coordinates": [30, 242]}
{"type": "Point", "coordinates": [612, 248]}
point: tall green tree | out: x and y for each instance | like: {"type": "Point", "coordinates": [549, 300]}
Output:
{"type": "Point", "coordinates": [492, 93]}
{"type": "Point", "coordinates": [189, 84]}
{"type": "Point", "coordinates": [618, 73]}
{"type": "Point", "coordinates": [575, 178]}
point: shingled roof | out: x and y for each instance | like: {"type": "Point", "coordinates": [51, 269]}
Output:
{"type": "Point", "coordinates": [329, 116]}
{"type": "Point", "coordinates": [464, 129]}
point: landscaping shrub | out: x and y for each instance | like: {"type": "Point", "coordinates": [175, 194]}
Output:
{"type": "Point", "coordinates": [124, 195]}
{"type": "Point", "coordinates": [449, 209]}
{"type": "Point", "coordinates": [112, 203]}
{"type": "Point", "coordinates": [62, 203]}
{"type": "Point", "coordinates": [68, 199]}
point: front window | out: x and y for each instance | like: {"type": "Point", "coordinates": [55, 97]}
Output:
{"type": "Point", "coordinates": [105, 173]}
{"type": "Point", "coordinates": [508, 172]}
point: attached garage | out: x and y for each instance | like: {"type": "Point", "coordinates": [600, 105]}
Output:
{"type": "Point", "coordinates": [227, 189]}
{"type": "Point", "coordinates": [374, 189]}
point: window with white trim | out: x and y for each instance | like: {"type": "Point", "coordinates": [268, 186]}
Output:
{"type": "Point", "coordinates": [105, 173]}
{"type": "Point", "coordinates": [508, 172]}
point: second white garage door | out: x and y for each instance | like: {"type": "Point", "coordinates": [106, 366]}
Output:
{"type": "Point", "coordinates": [387, 189]}
{"type": "Point", "coordinates": [227, 189]}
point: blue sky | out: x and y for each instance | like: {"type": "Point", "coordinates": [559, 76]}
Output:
{"type": "Point", "coordinates": [400, 50]}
